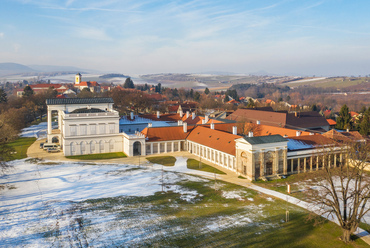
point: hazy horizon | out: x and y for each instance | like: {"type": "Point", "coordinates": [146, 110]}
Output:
{"type": "Point", "coordinates": [288, 37]}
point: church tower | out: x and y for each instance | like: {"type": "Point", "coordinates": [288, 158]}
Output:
{"type": "Point", "coordinates": [78, 78]}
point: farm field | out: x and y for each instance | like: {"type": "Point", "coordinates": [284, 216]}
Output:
{"type": "Point", "coordinates": [61, 204]}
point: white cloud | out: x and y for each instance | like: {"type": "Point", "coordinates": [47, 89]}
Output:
{"type": "Point", "coordinates": [1, 35]}
{"type": "Point", "coordinates": [92, 33]}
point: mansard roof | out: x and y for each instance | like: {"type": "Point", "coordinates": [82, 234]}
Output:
{"type": "Point", "coordinates": [58, 101]}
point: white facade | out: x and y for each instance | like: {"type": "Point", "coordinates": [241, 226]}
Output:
{"type": "Point", "coordinates": [85, 126]}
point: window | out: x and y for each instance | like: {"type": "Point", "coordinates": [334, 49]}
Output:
{"type": "Point", "coordinates": [111, 127]}
{"type": "Point", "coordinates": [73, 130]}
{"type": "Point", "coordinates": [93, 129]}
{"type": "Point", "coordinates": [101, 128]}
{"type": "Point", "coordinates": [101, 144]}
{"type": "Point", "coordinates": [83, 146]}
{"type": "Point", "coordinates": [83, 130]}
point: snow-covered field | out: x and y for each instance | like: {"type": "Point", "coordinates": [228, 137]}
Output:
{"type": "Point", "coordinates": [37, 131]}
{"type": "Point", "coordinates": [47, 204]}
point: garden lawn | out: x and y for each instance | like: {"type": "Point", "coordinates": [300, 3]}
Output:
{"type": "Point", "coordinates": [196, 165]}
{"type": "Point", "coordinates": [20, 146]}
{"type": "Point", "coordinates": [99, 156]}
{"type": "Point", "coordinates": [163, 160]}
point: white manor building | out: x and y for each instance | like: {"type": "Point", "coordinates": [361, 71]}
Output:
{"type": "Point", "coordinates": [85, 125]}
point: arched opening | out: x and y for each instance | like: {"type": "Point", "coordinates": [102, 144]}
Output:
{"type": "Point", "coordinates": [92, 146]}
{"type": "Point", "coordinates": [83, 147]}
{"type": "Point", "coordinates": [101, 146]}
{"type": "Point", "coordinates": [137, 148]}
{"type": "Point", "coordinates": [111, 146]}
{"type": "Point", "coordinates": [55, 140]}
{"type": "Point", "coordinates": [73, 148]}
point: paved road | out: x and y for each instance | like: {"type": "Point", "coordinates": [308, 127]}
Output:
{"type": "Point", "coordinates": [34, 151]}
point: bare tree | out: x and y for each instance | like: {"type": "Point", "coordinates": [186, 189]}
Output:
{"type": "Point", "coordinates": [344, 189]}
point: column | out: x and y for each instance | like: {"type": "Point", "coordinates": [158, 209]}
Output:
{"type": "Point", "coordinates": [311, 158]}
{"type": "Point", "coordinates": [335, 160]}
{"type": "Point", "coordinates": [173, 146]}
{"type": "Point", "coordinates": [262, 163]}
{"type": "Point", "coordinates": [275, 165]}
{"type": "Point", "coordinates": [165, 147]}
{"type": "Point", "coordinates": [299, 165]}
{"type": "Point", "coordinates": [59, 120]}
{"type": "Point", "coordinates": [304, 163]}
{"type": "Point", "coordinates": [159, 147]}
{"type": "Point", "coordinates": [317, 162]}
{"type": "Point", "coordinates": [49, 121]}
{"type": "Point", "coordinates": [179, 146]}
{"type": "Point", "coordinates": [151, 148]}
{"type": "Point", "coordinates": [285, 169]}
{"type": "Point", "coordinates": [291, 163]}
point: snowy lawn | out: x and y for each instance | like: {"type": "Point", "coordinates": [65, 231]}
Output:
{"type": "Point", "coordinates": [301, 184]}
{"type": "Point", "coordinates": [51, 204]}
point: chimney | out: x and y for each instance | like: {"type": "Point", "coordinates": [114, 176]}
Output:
{"type": "Point", "coordinates": [296, 114]}
{"type": "Point", "coordinates": [187, 114]}
{"type": "Point", "coordinates": [312, 133]}
{"type": "Point", "coordinates": [347, 130]}
{"type": "Point", "coordinates": [212, 125]}
{"type": "Point", "coordinates": [185, 127]}
{"type": "Point", "coordinates": [158, 115]}
{"type": "Point", "coordinates": [235, 130]}
{"type": "Point", "coordinates": [181, 113]}
{"type": "Point", "coordinates": [150, 124]}
{"type": "Point", "coordinates": [250, 134]}
{"type": "Point", "coordinates": [179, 122]}
{"type": "Point", "coordinates": [206, 118]}
{"type": "Point", "coordinates": [132, 115]}
{"type": "Point", "coordinates": [297, 133]}
{"type": "Point", "coordinates": [258, 122]}
{"type": "Point", "coordinates": [204, 121]}
{"type": "Point", "coordinates": [193, 115]}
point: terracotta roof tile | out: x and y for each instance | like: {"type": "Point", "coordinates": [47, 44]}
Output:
{"type": "Point", "coordinates": [331, 122]}
{"type": "Point", "coordinates": [165, 133]}
{"type": "Point", "coordinates": [218, 140]}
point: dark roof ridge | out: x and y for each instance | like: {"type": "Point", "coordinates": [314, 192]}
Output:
{"type": "Point", "coordinates": [61, 101]}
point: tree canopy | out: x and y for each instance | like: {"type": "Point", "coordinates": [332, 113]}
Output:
{"type": "Point", "coordinates": [344, 119]}
{"type": "Point", "coordinates": [129, 84]}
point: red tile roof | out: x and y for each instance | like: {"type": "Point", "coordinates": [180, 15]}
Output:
{"type": "Point", "coordinates": [315, 140]}
{"type": "Point", "coordinates": [352, 136]}
{"type": "Point", "coordinates": [218, 140]}
{"type": "Point", "coordinates": [166, 133]}
{"type": "Point", "coordinates": [331, 122]}
{"type": "Point", "coordinates": [258, 130]}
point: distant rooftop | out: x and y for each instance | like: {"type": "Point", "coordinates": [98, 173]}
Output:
{"type": "Point", "coordinates": [58, 101]}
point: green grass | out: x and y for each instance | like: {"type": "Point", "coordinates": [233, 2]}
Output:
{"type": "Point", "coordinates": [189, 224]}
{"type": "Point", "coordinates": [163, 160]}
{"type": "Point", "coordinates": [99, 156]}
{"type": "Point", "coordinates": [20, 146]}
{"type": "Point", "coordinates": [241, 177]}
{"type": "Point", "coordinates": [196, 165]}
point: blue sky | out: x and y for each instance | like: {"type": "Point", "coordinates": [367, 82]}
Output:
{"type": "Point", "coordinates": [327, 37]}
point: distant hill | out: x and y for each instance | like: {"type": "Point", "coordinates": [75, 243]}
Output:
{"type": "Point", "coordinates": [14, 68]}
{"type": "Point", "coordinates": [113, 75]}
{"type": "Point", "coordinates": [54, 68]}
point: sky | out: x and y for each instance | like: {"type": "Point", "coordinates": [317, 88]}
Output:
{"type": "Point", "coordinates": [288, 37]}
